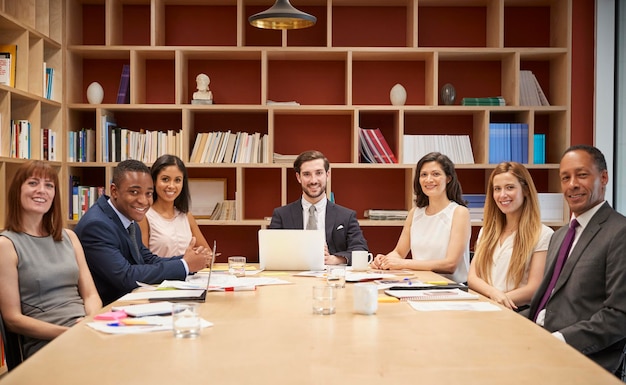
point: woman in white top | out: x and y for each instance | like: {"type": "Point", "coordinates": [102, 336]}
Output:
{"type": "Point", "coordinates": [438, 230]}
{"type": "Point", "coordinates": [511, 248]}
{"type": "Point", "coordinates": [168, 227]}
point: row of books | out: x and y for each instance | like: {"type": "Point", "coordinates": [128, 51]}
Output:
{"type": "Point", "coordinates": [48, 76]}
{"type": "Point", "coordinates": [119, 143]}
{"type": "Point", "coordinates": [530, 90]}
{"type": "Point", "coordinates": [224, 211]}
{"type": "Point", "coordinates": [508, 142]}
{"type": "Point", "coordinates": [21, 141]}
{"type": "Point", "coordinates": [82, 198]}
{"type": "Point", "coordinates": [373, 147]}
{"type": "Point", "coordinates": [81, 145]}
{"type": "Point", "coordinates": [457, 147]}
{"type": "Point", "coordinates": [8, 59]}
{"type": "Point", "coordinates": [386, 214]}
{"type": "Point", "coordinates": [486, 101]}
{"type": "Point", "coordinates": [229, 147]}
{"type": "Point", "coordinates": [539, 154]}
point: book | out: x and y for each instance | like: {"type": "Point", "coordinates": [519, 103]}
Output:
{"type": "Point", "coordinates": [486, 101]}
{"type": "Point", "coordinates": [431, 295]}
{"type": "Point", "coordinates": [8, 66]}
{"type": "Point", "coordinates": [123, 92]}
{"type": "Point", "coordinates": [380, 214]}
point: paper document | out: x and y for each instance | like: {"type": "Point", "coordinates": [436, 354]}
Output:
{"type": "Point", "coordinates": [431, 295]}
{"type": "Point", "coordinates": [453, 305]}
{"type": "Point", "coordinates": [141, 325]}
{"type": "Point", "coordinates": [163, 294]}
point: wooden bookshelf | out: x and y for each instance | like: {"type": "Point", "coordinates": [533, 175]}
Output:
{"type": "Point", "coordinates": [340, 71]}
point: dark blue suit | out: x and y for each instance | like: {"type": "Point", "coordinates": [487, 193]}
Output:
{"type": "Point", "coordinates": [343, 233]}
{"type": "Point", "coordinates": [114, 265]}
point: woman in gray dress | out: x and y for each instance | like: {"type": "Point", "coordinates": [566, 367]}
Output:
{"type": "Point", "coordinates": [45, 284]}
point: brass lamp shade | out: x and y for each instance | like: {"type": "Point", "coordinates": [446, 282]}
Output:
{"type": "Point", "coordinates": [282, 15]}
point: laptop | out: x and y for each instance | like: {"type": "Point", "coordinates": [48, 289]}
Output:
{"type": "Point", "coordinates": [288, 249]}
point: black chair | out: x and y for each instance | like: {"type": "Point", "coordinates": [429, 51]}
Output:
{"type": "Point", "coordinates": [12, 347]}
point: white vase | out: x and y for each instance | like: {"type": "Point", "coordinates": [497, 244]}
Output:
{"type": "Point", "coordinates": [397, 95]}
{"type": "Point", "coordinates": [95, 93]}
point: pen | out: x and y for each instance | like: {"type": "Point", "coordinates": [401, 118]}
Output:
{"type": "Point", "coordinates": [123, 324]}
{"type": "Point", "coordinates": [437, 282]}
{"type": "Point", "coordinates": [240, 288]}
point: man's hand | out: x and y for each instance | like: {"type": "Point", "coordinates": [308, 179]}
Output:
{"type": "Point", "coordinates": [197, 258]}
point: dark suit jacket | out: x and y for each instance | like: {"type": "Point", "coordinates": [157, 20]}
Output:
{"type": "Point", "coordinates": [588, 305]}
{"type": "Point", "coordinates": [343, 233]}
{"type": "Point", "coordinates": [113, 263]}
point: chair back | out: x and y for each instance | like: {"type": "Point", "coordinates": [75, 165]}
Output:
{"type": "Point", "coordinates": [12, 346]}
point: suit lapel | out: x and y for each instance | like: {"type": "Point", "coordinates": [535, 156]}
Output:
{"type": "Point", "coordinates": [123, 233]}
{"type": "Point", "coordinates": [296, 216]}
{"type": "Point", "coordinates": [591, 230]}
{"type": "Point", "coordinates": [331, 216]}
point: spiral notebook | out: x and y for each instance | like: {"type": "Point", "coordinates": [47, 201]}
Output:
{"type": "Point", "coordinates": [431, 295]}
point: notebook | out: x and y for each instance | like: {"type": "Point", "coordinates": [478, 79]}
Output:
{"type": "Point", "coordinates": [145, 309]}
{"type": "Point", "coordinates": [289, 249]}
{"type": "Point", "coordinates": [431, 295]}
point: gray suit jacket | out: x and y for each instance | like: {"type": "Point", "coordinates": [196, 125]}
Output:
{"type": "Point", "coordinates": [343, 233]}
{"type": "Point", "coordinates": [588, 305]}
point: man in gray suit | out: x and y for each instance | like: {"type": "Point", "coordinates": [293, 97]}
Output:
{"type": "Point", "coordinates": [587, 305]}
{"type": "Point", "coordinates": [314, 211]}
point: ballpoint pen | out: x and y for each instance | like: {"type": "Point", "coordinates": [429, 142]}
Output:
{"type": "Point", "coordinates": [240, 288]}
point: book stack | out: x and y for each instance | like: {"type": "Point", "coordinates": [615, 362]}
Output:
{"type": "Point", "coordinates": [145, 145]}
{"type": "Point", "coordinates": [389, 215]}
{"type": "Point", "coordinates": [373, 147]}
{"type": "Point", "coordinates": [228, 147]}
{"type": "Point", "coordinates": [487, 101]}
{"type": "Point", "coordinates": [539, 154]}
{"type": "Point", "coordinates": [82, 145]}
{"type": "Point", "coordinates": [476, 206]}
{"type": "Point", "coordinates": [20, 139]}
{"type": "Point", "coordinates": [48, 149]}
{"type": "Point", "coordinates": [551, 207]}
{"type": "Point", "coordinates": [508, 142]}
{"type": "Point", "coordinates": [224, 211]}
{"type": "Point", "coordinates": [82, 197]}
{"type": "Point", "coordinates": [282, 158]}
{"type": "Point", "coordinates": [457, 147]}
{"type": "Point", "coordinates": [8, 57]}
{"type": "Point", "coordinates": [530, 90]}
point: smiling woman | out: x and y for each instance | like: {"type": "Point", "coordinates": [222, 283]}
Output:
{"type": "Point", "coordinates": [45, 284]}
{"type": "Point", "coordinates": [437, 230]}
{"type": "Point", "coordinates": [169, 225]}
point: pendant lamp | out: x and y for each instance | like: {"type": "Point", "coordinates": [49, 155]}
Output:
{"type": "Point", "coordinates": [282, 15]}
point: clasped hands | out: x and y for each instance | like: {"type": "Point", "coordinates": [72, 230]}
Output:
{"type": "Point", "coordinates": [197, 257]}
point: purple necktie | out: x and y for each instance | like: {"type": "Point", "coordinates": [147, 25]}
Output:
{"type": "Point", "coordinates": [560, 261]}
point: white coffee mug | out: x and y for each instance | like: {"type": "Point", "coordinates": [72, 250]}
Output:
{"type": "Point", "coordinates": [361, 259]}
{"type": "Point", "coordinates": [365, 298]}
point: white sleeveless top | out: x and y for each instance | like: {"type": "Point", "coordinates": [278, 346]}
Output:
{"type": "Point", "coordinates": [168, 237]}
{"type": "Point", "coordinates": [430, 235]}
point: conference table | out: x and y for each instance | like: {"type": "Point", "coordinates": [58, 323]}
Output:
{"type": "Point", "coordinates": [270, 336]}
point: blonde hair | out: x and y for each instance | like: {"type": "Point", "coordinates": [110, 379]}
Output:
{"type": "Point", "coordinates": [528, 232]}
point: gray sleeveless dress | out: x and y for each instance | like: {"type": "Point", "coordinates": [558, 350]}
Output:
{"type": "Point", "coordinates": [48, 280]}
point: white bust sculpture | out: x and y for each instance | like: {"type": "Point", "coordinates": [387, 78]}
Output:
{"type": "Point", "coordinates": [203, 95]}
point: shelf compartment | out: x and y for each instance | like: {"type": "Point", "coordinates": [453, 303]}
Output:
{"type": "Point", "coordinates": [353, 188]}
{"type": "Point", "coordinates": [370, 26]}
{"type": "Point", "coordinates": [235, 76]}
{"type": "Point", "coordinates": [457, 25]}
{"type": "Point", "coordinates": [471, 123]}
{"type": "Point", "coordinates": [531, 23]}
{"type": "Point", "coordinates": [296, 131]}
{"type": "Point", "coordinates": [314, 36]}
{"type": "Point", "coordinates": [153, 80]}
{"type": "Point", "coordinates": [551, 70]}
{"type": "Point", "coordinates": [135, 27]}
{"type": "Point", "coordinates": [375, 73]}
{"type": "Point", "coordinates": [197, 24]}
{"type": "Point", "coordinates": [257, 37]}
{"type": "Point", "coordinates": [309, 78]}
{"type": "Point", "coordinates": [479, 75]}
{"type": "Point", "coordinates": [261, 192]}
{"type": "Point", "coordinates": [388, 122]}
{"type": "Point", "coordinates": [554, 124]}
{"type": "Point", "coordinates": [94, 65]}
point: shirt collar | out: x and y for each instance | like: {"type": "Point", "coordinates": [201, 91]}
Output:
{"type": "Point", "coordinates": [320, 206]}
{"type": "Point", "coordinates": [584, 218]}
{"type": "Point", "coordinates": [125, 221]}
